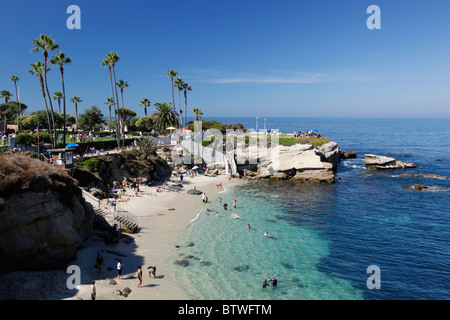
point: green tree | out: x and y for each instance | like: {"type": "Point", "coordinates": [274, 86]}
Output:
{"type": "Point", "coordinates": [110, 103]}
{"type": "Point", "coordinates": [5, 94]}
{"type": "Point", "coordinates": [58, 96]}
{"type": "Point", "coordinates": [45, 44]}
{"type": "Point", "coordinates": [145, 124]}
{"type": "Point", "coordinates": [10, 110]}
{"type": "Point", "coordinates": [164, 115]}
{"type": "Point", "coordinates": [198, 113]}
{"type": "Point", "coordinates": [38, 70]}
{"type": "Point", "coordinates": [145, 103]}
{"type": "Point", "coordinates": [76, 100]}
{"type": "Point", "coordinates": [126, 115]}
{"type": "Point", "coordinates": [91, 119]}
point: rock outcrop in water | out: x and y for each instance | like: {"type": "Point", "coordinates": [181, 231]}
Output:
{"type": "Point", "coordinates": [43, 216]}
{"type": "Point", "coordinates": [373, 161]}
{"type": "Point", "coordinates": [300, 163]}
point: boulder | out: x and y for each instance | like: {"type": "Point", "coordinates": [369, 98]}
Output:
{"type": "Point", "coordinates": [419, 187]}
{"type": "Point", "coordinates": [373, 161]}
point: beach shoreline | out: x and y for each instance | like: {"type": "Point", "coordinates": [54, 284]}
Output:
{"type": "Point", "coordinates": [162, 218]}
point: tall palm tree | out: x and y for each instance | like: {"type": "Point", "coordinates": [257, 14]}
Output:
{"type": "Point", "coordinates": [186, 88]}
{"type": "Point", "coordinates": [122, 85]}
{"type": "Point", "coordinates": [14, 79]}
{"type": "Point", "coordinates": [45, 44]}
{"type": "Point", "coordinates": [6, 95]}
{"type": "Point", "coordinates": [145, 103]}
{"type": "Point", "coordinates": [165, 115]}
{"type": "Point", "coordinates": [198, 113]}
{"type": "Point", "coordinates": [172, 74]}
{"type": "Point", "coordinates": [60, 60]}
{"type": "Point", "coordinates": [58, 96]}
{"type": "Point", "coordinates": [113, 58]}
{"type": "Point", "coordinates": [110, 103]}
{"type": "Point", "coordinates": [179, 85]}
{"type": "Point", "coordinates": [38, 70]}
{"type": "Point", "coordinates": [109, 61]}
{"type": "Point", "coordinates": [76, 100]}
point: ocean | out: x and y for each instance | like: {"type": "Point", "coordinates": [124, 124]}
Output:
{"type": "Point", "coordinates": [325, 238]}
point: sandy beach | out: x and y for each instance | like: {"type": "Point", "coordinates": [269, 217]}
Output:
{"type": "Point", "coordinates": [162, 217]}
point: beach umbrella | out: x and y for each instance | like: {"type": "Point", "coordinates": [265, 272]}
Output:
{"type": "Point", "coordinates": [194, 168]}
{"type": "Point", "coordinates": [72, 145]}
{"type": "Point", "coordinates": [314, 130]}
{"type": "Point", "coordinates": [171, 128]}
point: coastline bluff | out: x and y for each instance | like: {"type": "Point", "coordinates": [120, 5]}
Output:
{"type": "Point", "coordinates": [300, 162]}
{"type": "Point", "coordinates": [43, 216]}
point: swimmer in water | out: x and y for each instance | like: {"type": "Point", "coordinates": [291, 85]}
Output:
{"type": "Point", "coordinates": [266, 234]}
{"type": "Point", "coordinates": [248, 227]}
{"type": "Point", "coordinates": [265, 283]}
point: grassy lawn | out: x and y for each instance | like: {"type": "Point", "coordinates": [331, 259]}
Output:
{"type": "Point", "coordinates": [283, 140]}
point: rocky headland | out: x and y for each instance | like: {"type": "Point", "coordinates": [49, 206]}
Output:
{"type": "Point", "coordinates": [43, 216]}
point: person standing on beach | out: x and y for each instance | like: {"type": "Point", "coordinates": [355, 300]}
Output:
{"type": "Point", "coordinates": [139, 272]}
{"type": "Point", "coordinates": [119, 268]}
{"type": "Point", "coordinates": [93, 291]}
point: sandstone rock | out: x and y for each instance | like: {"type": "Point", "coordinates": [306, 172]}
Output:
{"type": "Point", "coordinates": [421, 175]}
{"type": "Point", "coordinates": [419, 187]}
{"type": "Point", "coordinates": [407, 187]}
{"type": "Point", "coordinates": [373, 161]}
{"type": "Point", "coordinates": [314, 176]}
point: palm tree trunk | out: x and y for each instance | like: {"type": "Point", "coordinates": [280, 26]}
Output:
{"type": "Point", "coordinates": [118, 108]}
{"type": "Point", "coordinates": [114, 104]}
{"type": "Point", "coordinates": [185, 107]}
{"type": "Point", "coordinates": [64, 104]}
{"type": "Point", "coordinates": [76, 113]}
{"type": "Point", "coordinates": [50, 100]}
{"type": "Point", "coordinates": [46, 108]}
{"type": "Point", "coordinates": [123, 119]}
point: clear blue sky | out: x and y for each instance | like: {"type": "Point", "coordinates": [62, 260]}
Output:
{"type": "Point", "coordinates": [242, 58]}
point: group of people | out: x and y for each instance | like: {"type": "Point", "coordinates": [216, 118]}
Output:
{"type": "Point", "coordinates": [120, 188]}
{"type": "Point", "coordinates": [99, 263]}
{"type": "Point", "coordinates": [310, 133]}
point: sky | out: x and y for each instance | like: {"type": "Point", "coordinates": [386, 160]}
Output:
{"type": "Point", "coordinates": [248, 58]}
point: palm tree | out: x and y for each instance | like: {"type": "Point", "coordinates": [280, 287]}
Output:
{"type": "Point", "coordinates": [109, 61]}
{"type": "Point", "coordinates": [110, 103]}
{"type": "Point", "coordinates": [122, 85]}
{"type": "Point", "coordinates": [198, 113]}
{"type": "Point", "coordinates": [6, 95]}
{"type": "Point", "coordinates": [112, 59]}
{"type": "Point", "coordinates": [179, 84]}
{"type": "Point", "coordinates": [14, 79]}
{"type": "Point", "coordinates": [186, 88]}
{"type": "Point", "coordinates": [60, 60]}
{"type": "Point", "coordinates": [145, 103]}
{"type": "Point", "coordinates": [172, 74]}
{"type": "Point", "coordinates": [38, 70]}
{"type": "Point", "coordinates": [45, 44]}
{"type": "Point", "coordinates": [58, 96]}
{"type": "Point", "coordinates": [165, 115]}
{"type": "Point", "coordinates": [76, 100]}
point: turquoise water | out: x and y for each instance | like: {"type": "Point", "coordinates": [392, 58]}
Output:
{"type": "Point", "coordinates": [325, 236]}
{"type": "Point", "coordinates": [238, 259]}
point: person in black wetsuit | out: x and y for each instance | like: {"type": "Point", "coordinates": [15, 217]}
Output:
{"type": "Point", "coordinates": [274, 282]}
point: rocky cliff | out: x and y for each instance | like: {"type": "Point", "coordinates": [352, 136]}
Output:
{"type": "Point", "coordinates": [43, 217]}
{"type": "Point", "coordinates": [300, 162]}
